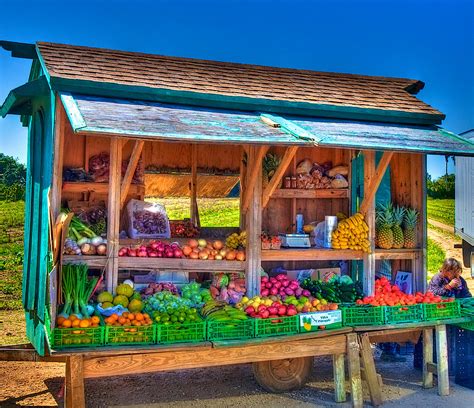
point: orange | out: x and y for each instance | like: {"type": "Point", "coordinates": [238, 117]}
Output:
{"type": "Point", "coordinates": [95, 319]}
{"type": "Point", "coordinates": [60, 320]}
{"type": "Point", "coordinates": [114, 317]}
{"type": "Point", "coordinates": [84, 323]}
{"type": "Point", "coordinates": [131, 316]}
{"type": "Point", "coordinates": [76, 323]}
{"type": "Point", "coordinates": [73, 317]}
{"type": "Point", "coordinates": [67, 323]}
{"type": "Point", "coordinates": [122, 320]}
{"type": "Point", "coordinates": [146, 315]}
{"type": "Point", "coordinates": [139, 317]}
{"type": "Point", "coordinates": [94, 324]}
{"type": "Point", "coordinates": [125, 314]}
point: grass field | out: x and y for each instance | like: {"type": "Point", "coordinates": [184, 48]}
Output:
{"type": "Point", "coordinates": [434, 258]}
{"type": "Point", "coordinates": [441, 210]}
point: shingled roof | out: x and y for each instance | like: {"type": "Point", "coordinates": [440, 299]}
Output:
{"type": "Point", "coordinates": [234, 80]}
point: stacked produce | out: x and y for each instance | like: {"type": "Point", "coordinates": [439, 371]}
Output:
{"type": "Point", "coordinates": [387, 294]}
{"type": "Point", "coordinates": [351, 233]}
{"type": "Point", "coordinates": [395, 227]}
{"type": "Point", "coordinates": [270, 241]}
{"type": "Point", "coordinates": [167, 308]}
{"type": "Point", "coordinates": [99, 166]}
{"type": "Point", "coordinates": [183, 229]}
{"type": "Point", "coordinates": [153, 288]}
{"type": "Point", "coordinates": [340, 290]}
{"type": "Point", "coordinates": [219, 311]}
{"type": "Point", "coordinates": [82, 237]}
{"type": "Point", "coordinates": [73, 321]}
{"type": "Point", "coordinates": [155, 249]}
{"type": "Point", "coordinates": [281, 285]}
{"type": "Point", "coordinates": [237, 241]}
{"type": "Point", "coordinates": [310, 304]}
{"type": "Point", "coordinates": [128, 319]}
{"type": "Point", "coordinates": [125, 296]}
{"type": "Point", "coordinates": [94, 216]}
{"type": "Point", "coordinates": [264, 308]}
{"type": "Point", "coordinates": [197, 295]}
{"type": "Point", "coordinates": [319, 176]}
{"type": "Point", "coordinates": [206, 250]}
{"type": "Point", "coordinates": [228, 287]}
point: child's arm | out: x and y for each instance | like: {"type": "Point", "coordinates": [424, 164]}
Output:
{"type": "Point", "coordinates": [438, 287]}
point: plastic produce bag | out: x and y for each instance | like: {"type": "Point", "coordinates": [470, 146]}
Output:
{"type": "Point", "coordinates": [147, 220]}
{"type": "Point", "coordinates": [119, 309]}
{"type": "Point", "coordinates": [319, 234]}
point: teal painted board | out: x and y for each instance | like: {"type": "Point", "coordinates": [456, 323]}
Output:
{"type": "Point", "coordinates": [385, 136]}
{"type": "Point", "coordinates": [172, 122]}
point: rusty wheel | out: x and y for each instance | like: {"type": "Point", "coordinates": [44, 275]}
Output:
{"type": "Point", "coordinates": [283, 375]}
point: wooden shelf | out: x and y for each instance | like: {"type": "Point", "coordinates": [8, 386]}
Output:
{"type": "Point", "coordinates": [389, 254]}
{"type": "Point", "coordinates": [186, 265]}
{"type": "Point", "coordinates": [99, 188]}
{"type": "Point", "coordinates": [318, 193]}
{"type": "Point", "coordinates": [311, 254]}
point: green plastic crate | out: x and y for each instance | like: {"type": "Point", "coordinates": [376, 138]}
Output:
{"type": "Point", "coordinates": [317, 321]}
{"type": "Point", "coordinates": [194, 332]}
{"type": "Point", "coordinates": [403, 314]}
{"type": "Point", "coordinates": [276, 326]}
{"type": "Point", "coordinates": [466, 326]}
{"type": "Point", "coordinates": [236, 330]}
{"type": "Point", "coordinates": [130, 335]}
{"type": "Point", "coordinates": [363, 316]}
{"type": "Point", "coordinates": [77, 337]}
{"type": "Point", "coordinates": [443, 310]}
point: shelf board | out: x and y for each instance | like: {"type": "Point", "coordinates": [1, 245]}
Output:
{"type": "Point", "coordinates": [318, 193]}
{"type": "Point", "coordinates": [390, 254]}
{"type": "Point", "coordinates": [311, 254]}
{"type": "Point", "coordinates": [186, 265]}
{"type": "Point", "coordinates": [99, 188]}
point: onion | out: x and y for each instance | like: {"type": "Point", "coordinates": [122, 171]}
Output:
{"type": "Point", "coordinates": [193, 243]}
{"type": "Point", "coordinates": [169, 253]}
{"type": "Point", "coordinates": [96, 241]}
{"type": "Point", "coordinates": [230, 256]}
{"type": "Point", "coordinates": [203, 255]}
{"type": "Point", "coordinates": [88, 249]}
{"type": "Point", "coordinates": [187, 250]}
{"type": "Point", "coordinates": [240, 256]}
{"type": "Point", "coordinates": [83, 241]}
{"type": "Point", "coordinates": [102, 249]}
{"type": "Point", "coordinates": [194, 255]}
{"type": "Point", "coordinates": [218, 245]}
{"type": "Point", "coordinates": [178, 253]}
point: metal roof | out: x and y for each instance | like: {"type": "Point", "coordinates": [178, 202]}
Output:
{"type": "Point", "coordinates": [153, 120]}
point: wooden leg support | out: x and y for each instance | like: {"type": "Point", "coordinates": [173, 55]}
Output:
{"type": "Point", "coordinates": [442, 353]}
{"type": "Point", "coordinates": [75, 396]}
{"type": "Point", "coordinates": [370, 371]}
{"type": "Point", "coordinates": [354, 370]}
{"type": "Point", "coordinates": [427, 358]}
{"type": "Point", "coordinates": [339, 377]}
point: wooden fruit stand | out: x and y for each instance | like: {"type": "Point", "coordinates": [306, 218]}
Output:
{"type": "Point", "coordinates": [178, 113]}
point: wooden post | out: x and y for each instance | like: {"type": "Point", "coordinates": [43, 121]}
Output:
{"type": "Point", "coordinates": [253, 220]}
{"type": "Point", "coordinates": [422, 279]}
{"type": "Point", "coordinates": [243, 173]}
{"type": "Point", "coordinates": [194, 206]}
{"type": "Point", "coordinates": [132, 166]}
{"type": "Point", "coordinates": [354, 370]}
{"type": "Point", "coordinates": [370, 371]}
{"type": "Point", "coordinates": [369, 258]}
{"type": "Point", "coordinates": [253, 174]}
{"type": "Point", "coordinates": [113, 213]}
{"type": "Point", "coordinates": [272, 185]}
{"type": "Point", "coordinates": [442, 364]}
{"type": "Point", "coordinates": [427, 357]}
{"type": "Point", "coordinates": [339, 377]}
{"type": "Point", "coordinates": [75, 396]}
{"type": "Point", "coordinates": [57, 183]}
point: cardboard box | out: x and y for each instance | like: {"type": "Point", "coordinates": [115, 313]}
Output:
{"type": "Point", "coordinates": [325, 274]}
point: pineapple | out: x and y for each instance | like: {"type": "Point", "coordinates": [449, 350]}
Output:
{"type": "Point", "coordinates": [409, 228]}
{"type": "Point", "coordinates": [383, 226]}
{"type": "Point", "coordinates": [270, 164]}
{"type": "Point", "coordinates": [398, 238]}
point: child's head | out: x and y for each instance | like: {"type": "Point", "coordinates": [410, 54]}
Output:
{"type": "Point", "coordinates": [451, 269]}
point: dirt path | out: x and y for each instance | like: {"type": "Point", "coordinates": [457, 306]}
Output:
{"type": "Point", "coordinates": [447, 228]}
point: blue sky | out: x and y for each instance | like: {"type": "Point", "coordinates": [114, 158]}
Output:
{"type": "Point", "coordinates": [428, 40]}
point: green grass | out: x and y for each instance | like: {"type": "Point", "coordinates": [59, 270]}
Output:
{"type": "Point", "coordinates": [213, 212]}
{"type": "Point", "coordinates": [441, 210]}
{"type": "Point", "coordinates": [435, 257]}
{"type": "Point", "coordinates": [11, 254]}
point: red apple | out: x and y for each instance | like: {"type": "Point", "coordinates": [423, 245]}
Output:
{"type": "Point", "coordinates": [249, 310]}
{"type": "Point", "coordinates": [282, 310]}
{"type": "Point", "coordinates": [265, 314]}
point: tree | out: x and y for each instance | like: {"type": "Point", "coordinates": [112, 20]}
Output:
{"type": "Point", "coordinates": [443, 187]}
{"type": "Point", "coordinates": [12, 178]}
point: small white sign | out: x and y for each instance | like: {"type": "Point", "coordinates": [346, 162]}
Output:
{"type": "Point", "coordinates": [311, 321]}
{"type": "Point", "coordinates": [404, 281]}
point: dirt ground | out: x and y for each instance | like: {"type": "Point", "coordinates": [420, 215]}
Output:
{"type": "Point", "coordinates": [27, 384]}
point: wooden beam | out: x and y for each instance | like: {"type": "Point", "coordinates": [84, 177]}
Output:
{"type": "Point", "coordinates": [432, 368]}
{"type": "Point", "coordinates": [369, 194]}
{"type": "Point", "coordinates": [339, 377]}
{"type": "Point", "coordinates": [442, 355]}
{"type": "Point", "coordinates": [177, 360]}
{"type": "Point", "coordinates": [194, 206]}
{"type": "Point", "coordinates": [59, 129]}
{"type": "Point", "coordinates": [370, 371]}
{"type": "Point", "coordinates": [113, 213]}
{"type": "Point", "coordinates": [427, 357]}
{"type": "Point", "coordinates": [354, 370]}
{"type": "Point", "coordinates": [75, 396]}
{"type": "Point", "coordinates": [131, 168]}
{"type": "Point", "coordinates": [275, 180]}
{"type": "Point", "coordinates": [368, 278]}
{"type": "Point", "coordinates": [254, 170]}
{"type": "Point", "coordinates": [242, 172]}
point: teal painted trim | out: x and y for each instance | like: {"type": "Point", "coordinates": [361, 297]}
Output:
{"type": "Point", "coordinates": [452, 135]}
{"type": "Point", "coordinates": [292, 128]}
{"type": "Point", "coordinates": [43, 64]}
{"type": "Point", "coordinates": [180, 137]}
{"type": "Point", "coordinates": [239, 103]}
{"type": "Point", "coordinates": [72, 110]}
{"type": "Point", "coordinates": [19, 50]}
{"type": "Point", "coordinates": [18, 101]}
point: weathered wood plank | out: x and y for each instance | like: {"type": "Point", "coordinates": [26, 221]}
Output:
{"type": "Point", "coordinates": [254, 173]}
{"type": "Point", "coordinates": [310, 254]}
{"type": "Point", "coordinates": [275, 180]}
{"type": "Point", "coordinates": [370, 371]}
{"type": "Point", "coordinates": [354, 371]}
{"type": "Point", "coordinates": [131, 168]}
{"type": "Point", "coordinates": [442, 365]}
{"type": "Point", "coordinates": [113, 213]}
{"type": "Point", "coordinates": [427, 357]}
{"type": "Point", "coordinates": [339, 377]}
{"type": "Point", "coordinates": [75, 396]}
{"type": "Point", "coordinates": [369, 258]}
{"type": "Point", "coordinates": [59, 129]}
{"type": "Point", "coordinates": [151, 362]}
{"type": "Point", "coordinates": [98, 188]}
{"type": "Point", "coordinates": [310, 194]}
{"type": "Point", "coordinates": [194, 205]}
